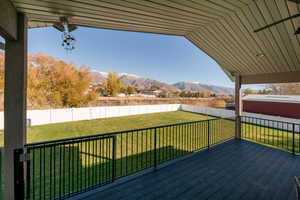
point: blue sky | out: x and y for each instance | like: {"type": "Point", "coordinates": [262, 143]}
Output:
{"type": "Point", "coordinates": [161, 57]}
{"type": "Point", "coordinates": [165, 58]}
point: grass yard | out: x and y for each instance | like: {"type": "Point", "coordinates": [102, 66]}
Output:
{"type": "Point", "coordinates": [97, 126]}
{"type": "Point", "coordinates": [56, 171]}
{"type": "Point", "coordinates": [102, 161]}
{"type": "Point", "coordinates": [272, 137]}
{"type": "Point", "coordinates": [63, 169]}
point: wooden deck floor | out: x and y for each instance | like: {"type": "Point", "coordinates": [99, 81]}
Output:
{"type": "Point", "coordinates": [232, 170]}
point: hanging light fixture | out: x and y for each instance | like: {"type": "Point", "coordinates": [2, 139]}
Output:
{"type": "Point", "coordinates": [68, 41]}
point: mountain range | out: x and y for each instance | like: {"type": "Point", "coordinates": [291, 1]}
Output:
{"type": "Point", "coordinates": [142, 83]}
{"type": "Point", "coordinates": [196, 86]}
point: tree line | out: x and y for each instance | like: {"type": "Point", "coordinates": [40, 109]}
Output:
{"type": "Point", "coordinates": [277, 89]}
{"type": "Point", "coordinates": [200, 94]}
{"type": "Point", "coordinates": [55, 83]}
{"type": "Point", "coordinates": [113, 86]}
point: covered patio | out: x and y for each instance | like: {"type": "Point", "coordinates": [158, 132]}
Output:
{"type": "Point", "coordinates": [231, 170]}
{"type": "Point", "coordinates": [254, 42]}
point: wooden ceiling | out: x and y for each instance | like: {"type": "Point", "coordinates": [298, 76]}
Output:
{"type": "Point", "coordinates": [224, 29]}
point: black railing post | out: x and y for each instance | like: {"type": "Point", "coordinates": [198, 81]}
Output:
{"type": "Point", "coordinates": [208, 130]}
{"type": "Point", "coordinates": [27, 177]}
{"type": "Point", "coordinates": [114, 167]}
{"type": "Point", "coordinates": [293, 138]}
{"type": "Point", "coordinates": [155, 148]}
{"type": "Point", "coordinates": [19, 182]}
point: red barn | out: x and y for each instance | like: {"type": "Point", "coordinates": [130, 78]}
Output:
{"type": "Point", "coordinates": [278, 105]}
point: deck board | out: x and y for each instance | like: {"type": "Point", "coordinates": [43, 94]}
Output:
{"type": "Point", "coordinates": [232, 170]}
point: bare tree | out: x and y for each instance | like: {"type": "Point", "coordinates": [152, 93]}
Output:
{"type": "Point", "coordinates": [284, 88]}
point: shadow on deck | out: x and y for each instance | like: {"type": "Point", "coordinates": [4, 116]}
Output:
{"type": "Point", "coordinates": [232, 170]}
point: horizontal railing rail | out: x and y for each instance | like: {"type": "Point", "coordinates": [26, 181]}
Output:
{"type": "Point", "coordinates": [112, 133]}
{"type": "Point", "coordinates": [278, 134]}
{"type": "Point", "coordinates": [62, 168]}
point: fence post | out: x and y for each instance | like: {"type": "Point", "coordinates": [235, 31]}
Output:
{"type": "Point", "coordinates": [155, 148]}
{"type": "Point", "coordinates": [114, 167]}
{"type": "Point", "coordinates": [19, 182]}
{"type": "Point", "coordinates": [208, 130]}
{"type": "Point", "coordinates": [293, 138]}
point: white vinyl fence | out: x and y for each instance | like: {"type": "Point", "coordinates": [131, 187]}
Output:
{"type": "Point", "coordinates": [38, 117]}
{"type": "Point", "coordinates": [223, 113]}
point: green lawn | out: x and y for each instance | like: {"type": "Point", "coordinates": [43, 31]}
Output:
{"type": "Point", "coordinates": [130, 148]}
{"type": "Point", "coordinates": [88, 127]}
{"type": "Point", "coordinates": [271, 137]}
{"type": "Point", "coordinates": [67, 168]}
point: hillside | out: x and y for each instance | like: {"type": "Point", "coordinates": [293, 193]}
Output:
{"type": "Point", "coordinates": [134, 80]}
{"type": "Point", "coordinates": [195, 87]}
{"type": "Point", "coordinates": [142, 83]}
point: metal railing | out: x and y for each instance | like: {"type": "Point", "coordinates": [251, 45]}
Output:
{"type": "Point", "coordinates": [62, 168]}
{"type": "Point", "coordinates": [278, 134]}
{"type": "Point", "coordinates": [1, 173]}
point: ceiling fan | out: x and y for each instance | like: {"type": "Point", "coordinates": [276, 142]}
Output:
{"type": "Point", "coordinates": [67, 39]}
{"type": "Point", "coordinates": [282, 20]}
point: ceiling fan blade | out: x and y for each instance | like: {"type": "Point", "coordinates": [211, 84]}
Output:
{"type": "Point", "coordinates": [275, 23]}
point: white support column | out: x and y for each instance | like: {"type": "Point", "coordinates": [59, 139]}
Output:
{"type": "Point", "coordinates": [238, 106]}
{"type": "Point", "coordinates": [14, 102]}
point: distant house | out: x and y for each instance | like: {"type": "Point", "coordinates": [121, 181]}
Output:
{"type": "Point", "coordinates": [121, 95]}
{"type": "Point", "coordinates": [150, 93]}
{"type": "Point", "coordinates": [278, 105]}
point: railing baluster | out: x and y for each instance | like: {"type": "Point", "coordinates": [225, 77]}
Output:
{"type": "Point", "coordinates": [145, 147]}
{"type": "Point", "coordinates": [293, 138]}
{"type": "Point", "coordinates": [121, 160]}
{"type": "Point", "coordinates": [69, 170]}
{"type": "Point", "coordinates": [208, 134]}
{"type": "Point", "coordinates": [40, 170]}
{"type": "Point", "coordinates": [87, 162]}
{"type": "Point", "coordinates": [94, 164]}
{"type": "Point", "coordinates": [50, 173]}
{"type": "Point", "coordinates": [54, 166]}
{"type": "Point", "coordinates": [131, 151]}
{"type": "Point", "coordinates": [155, 148]}
{"type": "Point", "coordinates": [114, 153]}
{"type": "Point", "coordinates": [28, 176]}
{"type": "Point", "coordinates": [126, 161]}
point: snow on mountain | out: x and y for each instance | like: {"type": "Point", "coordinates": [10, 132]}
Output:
{"type": "Point", "coordinates": [142, 83]}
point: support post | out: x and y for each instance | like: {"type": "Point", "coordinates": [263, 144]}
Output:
{"type": "Point", "coordinates": [14, 102]}
{"type": "Point", "coordinates": [238, 106]}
